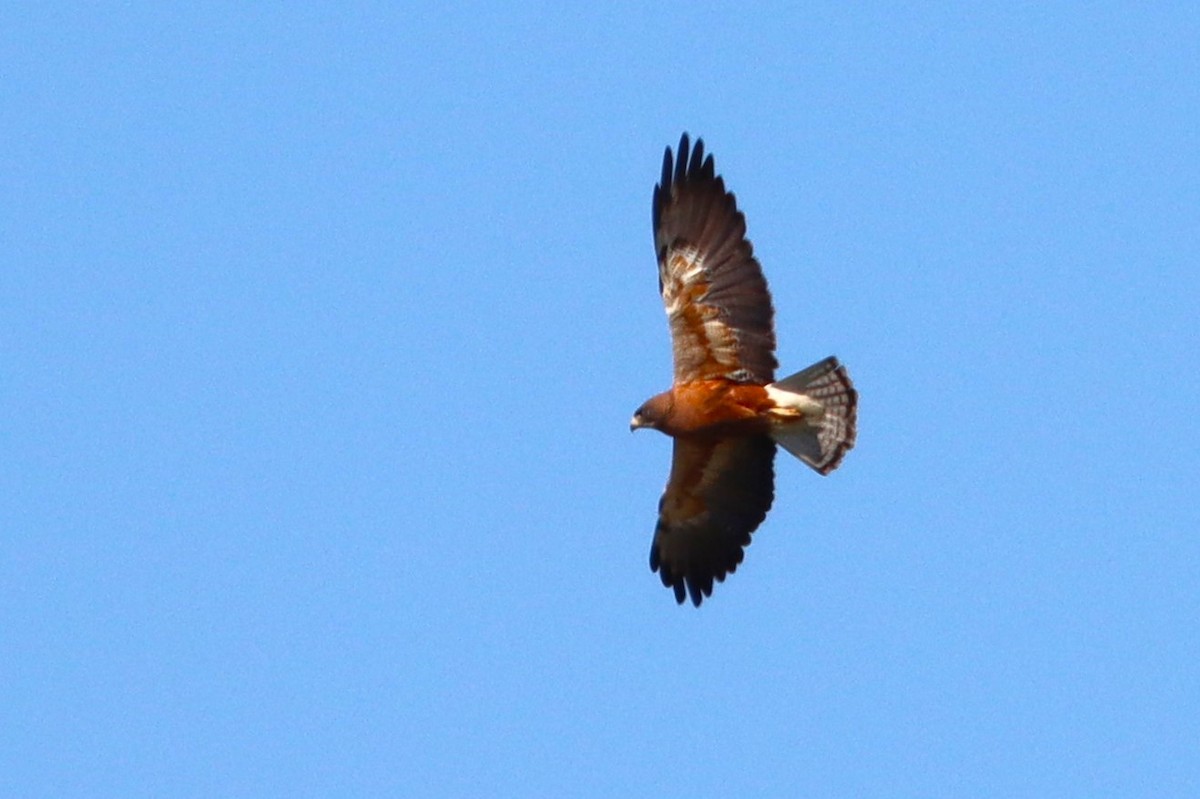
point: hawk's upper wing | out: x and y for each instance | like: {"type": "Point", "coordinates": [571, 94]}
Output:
{"type": "Point", "coordinates": [719, 491]}
{"type": "Point", "coordinates": [718, 305]}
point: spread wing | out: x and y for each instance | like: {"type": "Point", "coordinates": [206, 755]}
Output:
{"type": "Point", "coordinates": [718, 305]}
{"type": "Point", "coordinates": [719, 492]}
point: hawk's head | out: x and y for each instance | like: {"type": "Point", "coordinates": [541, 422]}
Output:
{"type": "Point", "coordinates": [654, 412]}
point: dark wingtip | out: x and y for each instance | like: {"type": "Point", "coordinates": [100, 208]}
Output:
{"type": "Point", "coordinates": [689, 161]}
{"type": "Point", "coordinates": [667, 169]}
{"type": "Point", "coordinates": [674, 582]}
{"type": "Point", "coordinates": [674, 169]}
{"type": "Point", "coordinates": [681, 159]}
{"type": "Point", "coordinates": [697, 159]}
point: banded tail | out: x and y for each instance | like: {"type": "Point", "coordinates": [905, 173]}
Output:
{"type": "Point", "coordinates": [818, 418]}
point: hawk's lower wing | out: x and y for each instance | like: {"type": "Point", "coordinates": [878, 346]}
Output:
{"type": "Point", "coordinates": [719, 492]}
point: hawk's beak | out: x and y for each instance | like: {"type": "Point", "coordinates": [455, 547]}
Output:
{"type": "Point", "coordinates": [634, 424]}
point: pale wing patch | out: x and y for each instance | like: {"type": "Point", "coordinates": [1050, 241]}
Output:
{"type": "Point", "coordinates": [701, 336]}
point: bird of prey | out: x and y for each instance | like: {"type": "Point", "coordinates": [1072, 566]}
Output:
{"type": "Point", "coordinates": [725, 410]}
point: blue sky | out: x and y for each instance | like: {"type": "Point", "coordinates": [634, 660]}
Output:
{"type": "Point", "coordinates": [321, 330]}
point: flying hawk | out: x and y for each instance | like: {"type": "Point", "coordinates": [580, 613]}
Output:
{"type": "Point", "coordinates": [725, 410]}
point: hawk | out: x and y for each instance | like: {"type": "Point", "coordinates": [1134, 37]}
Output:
{"type": "Point", "coordinates": [725, 410]}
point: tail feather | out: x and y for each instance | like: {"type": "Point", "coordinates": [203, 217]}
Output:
{"type": "Point", "coordinates": [823, 435]}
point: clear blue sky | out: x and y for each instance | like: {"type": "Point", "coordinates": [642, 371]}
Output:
{"type": "Point", "coordinates": [320, 332]}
